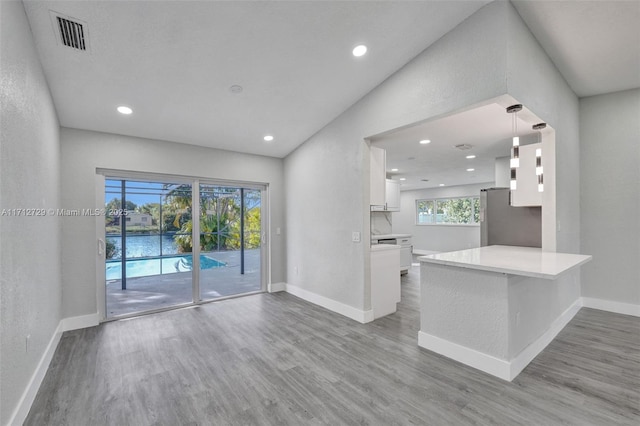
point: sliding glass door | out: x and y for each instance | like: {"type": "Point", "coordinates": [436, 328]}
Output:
{"type": "Point", "coordinates": [151, 260]}
{"type": "Point", "coordinates": [147, 245]}
{"type": "Point", "coordinates": [230, 233]}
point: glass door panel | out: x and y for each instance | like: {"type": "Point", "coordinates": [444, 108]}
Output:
{"type": "Point", "coordinates": [230, 241]}
{"type": "Point", "coordinates": [148, 246]}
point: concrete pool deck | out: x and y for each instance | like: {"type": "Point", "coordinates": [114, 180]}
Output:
{"type": "Point", "coordinates": [162, 291]}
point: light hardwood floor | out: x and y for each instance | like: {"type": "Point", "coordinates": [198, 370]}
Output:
{"type": "Point", "coordinates": [273, 359]}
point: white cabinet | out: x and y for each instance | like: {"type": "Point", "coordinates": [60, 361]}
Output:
{"type": "Point", "coordinates": [392, 196]}
{"type": "Point", "coordinates": [526, 193]}
{"type": "Point", "coordinates": [406, 255]}
{"type": "Point", "coordinates": [378, 176]}
{"type": "Point", "coordinates": [385, 193]}
{"type": "Point", "coordinates": [385, 280]}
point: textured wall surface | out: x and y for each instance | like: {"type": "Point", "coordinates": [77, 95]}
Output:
{"type": "Point", "coordinates": [535, 82]}
{"type": "Point", "coordinates": [534, 304]}
{"type": "Point", "coordinates": [466, 306]}
{"type": "Point", "coordinates": [463, 68]}
{"type": "Point", "coordinates": [437, 237]}
{"type": "Point", "coordinates": [610, 195]}
{"type": "Point", "coordinates": [494, 313]}
{"type": "Point", "coordinates": [30, 289]}
{"type": "Point", "coordinates": [84, 151]}
{"type": "Point", "coordinates": [491, 54]}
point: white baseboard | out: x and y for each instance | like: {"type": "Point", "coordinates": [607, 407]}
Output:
{"type": "Point", "coordinates": [275, 287]}
{"type": "Point", "coordinates": [530, 352]}
{"type": "Point", "coordinates": [83, 321]}
{"type": "Point", "coordinates": [611, 306]}
{"type": "Point", "coordinates": [506, 370]}
{"type": "Point", "coordinates": [476, 359]}
{"type": "Point", "coordinates": [362, 317]}
{"type": "Point", "coordinates": [29, 395]}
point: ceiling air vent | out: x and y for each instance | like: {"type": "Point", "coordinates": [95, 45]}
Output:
{"type": "Point", "coordinates": [463, 146]}
{"type": "Point", "coordinates": [70, 32]}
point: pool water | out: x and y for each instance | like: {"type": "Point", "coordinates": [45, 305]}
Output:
{"type": "Point", "coordinates": [167, 265]}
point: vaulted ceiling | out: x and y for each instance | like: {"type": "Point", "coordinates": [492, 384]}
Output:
{"type": "Point", "coordinates": [174, 62]}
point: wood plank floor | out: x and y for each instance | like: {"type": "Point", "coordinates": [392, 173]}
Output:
{"type": "Point", "coordinates": [273, 359]}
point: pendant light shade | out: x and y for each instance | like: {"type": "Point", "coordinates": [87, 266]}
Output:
{"type": "Point", "coordinates": [539, 170]}
{"type": "Point", "coordinates": [514, 163]}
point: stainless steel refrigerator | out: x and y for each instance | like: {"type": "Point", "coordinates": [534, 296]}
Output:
{"type": "Point", "coordinates": [503, 224]}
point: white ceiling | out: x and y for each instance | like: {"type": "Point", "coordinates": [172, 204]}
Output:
{"type": "Point", "coordinates": [488, 129]}
{"type": "Point", "coordinates": [173, 62]}
{"type": "Point", "coordinates": [594, 44]}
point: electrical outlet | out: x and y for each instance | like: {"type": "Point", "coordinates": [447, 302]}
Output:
{"type": "Point", "coordinates": [277, 231]}
{"type": "Point", "coordinates": [355, 237]}
{"type": "Point", "coordinates": [295, 270]}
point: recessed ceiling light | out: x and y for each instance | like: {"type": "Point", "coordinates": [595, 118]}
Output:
{"type": "Point", "coordinates": [471, 156]}
{"type": "Point", "coordinates": [359, 50]}
{"type": "Point", "coordinates": [470, 170]}
{"type": "Point", "coordinates": [394, 170]}
{"type": "Point", "coordinates": [268, 138]}
{"type": "Point", "coordinates": [442, 184]}
{"type": "Point", "coordinates": [403, 178]}
{"type": "Point", "coordinates": [425, 141]}
{"type": "Point", "coordinates": [124, 110]}
{"type": "Point", "coordinates": [235, 89]}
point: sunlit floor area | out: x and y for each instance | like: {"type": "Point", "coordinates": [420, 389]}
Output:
{"type": "Point", "coordinates": [161, 291]}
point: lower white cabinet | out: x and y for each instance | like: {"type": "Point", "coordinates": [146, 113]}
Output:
{"type": "Point", "coordinates": [406, 254]}
{"type": "Point", "coordinates": [385, 280]}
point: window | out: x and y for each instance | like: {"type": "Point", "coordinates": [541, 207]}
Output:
{"type": "Point", "coordinates": [425, 211]}
{"type": "Point", "coordinates": [448, 211]}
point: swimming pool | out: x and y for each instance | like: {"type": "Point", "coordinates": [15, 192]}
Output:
{"type": "Point", "coordinates": [166, 265]}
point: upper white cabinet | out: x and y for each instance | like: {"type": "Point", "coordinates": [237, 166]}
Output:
{"type": "Point", "coordinates": [392, 196]}
{"type": "Point", "coordinates": [526, 193]}
{"type": "Point", "coordinates": [385, 193]}
{"type": "Point", "coordinates": [378, 178]}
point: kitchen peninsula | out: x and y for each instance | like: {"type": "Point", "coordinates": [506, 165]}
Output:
{"type": "Point", "coordinates": [494, 308]}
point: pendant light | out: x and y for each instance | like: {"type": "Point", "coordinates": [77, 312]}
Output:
{"type": "Point", "coordinates": [514, 163]}
{"type": "Point", "coordinates": [539, 171]}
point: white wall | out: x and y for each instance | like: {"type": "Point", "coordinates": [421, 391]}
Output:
{"type": "Point", "coordinates": [327, 177]}
{"type": "Point", "coordinates": [610, 195]}
{"type": "Point", "coordinates": [437, 237]}
{"type": "Point", "coordinates": [490, 54]}
{"type": "Point", "coordinates": [84, 151]}
{"type": "Point", "coordinates": [536, 83]}
{"type": "Point", "coordinates": [30, 288]}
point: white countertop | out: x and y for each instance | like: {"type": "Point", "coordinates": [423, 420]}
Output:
{"type": "Point", "coordinates": [525, 261]}
{"type": "Point", "coordinates": [384, 247]}
{"type": "Point", "coordinates": [389, 236]}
